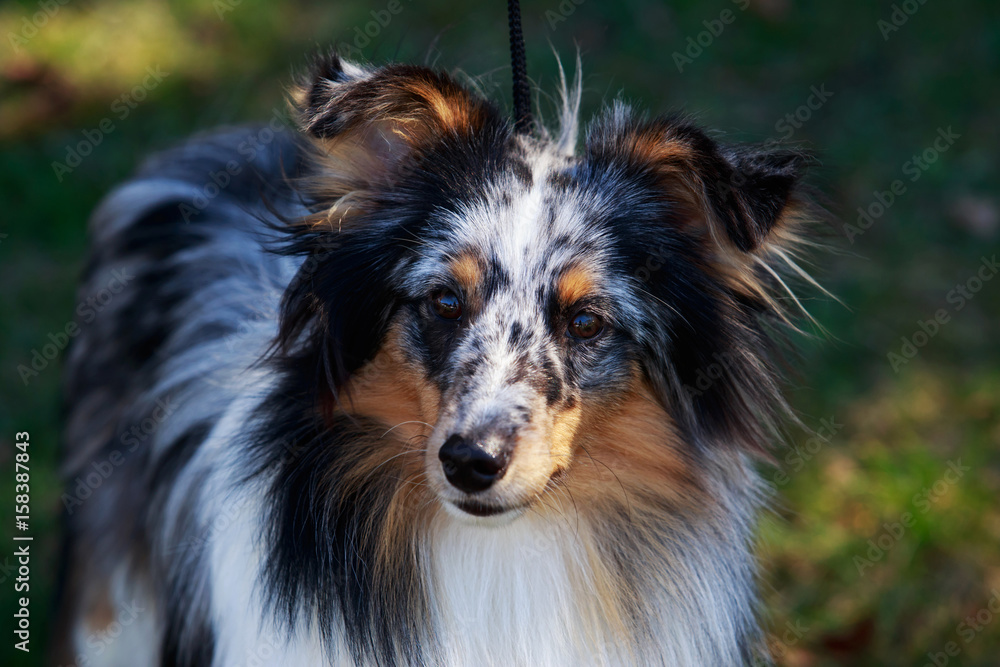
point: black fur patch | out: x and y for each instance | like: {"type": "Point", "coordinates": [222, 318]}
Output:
{"type": "Point", "coordinates": [322, 540]}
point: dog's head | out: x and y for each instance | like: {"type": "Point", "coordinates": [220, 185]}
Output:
{"type": "Point", "coordinates": [514, 309]}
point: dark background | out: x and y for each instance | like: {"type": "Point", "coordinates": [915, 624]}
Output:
{"type": "Point", "coordinates": [892, 432]}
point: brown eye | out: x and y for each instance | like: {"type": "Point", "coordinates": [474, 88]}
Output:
{"type": "Point", "coordinates": [447, 305]}
{"type": "Point", "coordinates": [585, 325]}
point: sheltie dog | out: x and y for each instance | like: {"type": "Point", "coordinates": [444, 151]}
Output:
{"type": "Point", "coordinates": [404, 386]}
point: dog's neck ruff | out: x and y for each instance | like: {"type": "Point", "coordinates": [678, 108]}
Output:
{"type": "Point", "coordinates": [547, 588]}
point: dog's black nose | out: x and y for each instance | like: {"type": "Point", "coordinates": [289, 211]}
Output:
{"type": "Point", "coordinates": [468, 466]}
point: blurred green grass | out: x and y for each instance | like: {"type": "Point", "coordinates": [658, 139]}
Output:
{"type": "Point", "coordinates": [229, 61]}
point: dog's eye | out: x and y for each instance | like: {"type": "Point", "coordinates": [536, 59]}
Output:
{"type": "Point", "coordinates": [585, 325]}
{"type": "Point", "coordinates": [447, 305]}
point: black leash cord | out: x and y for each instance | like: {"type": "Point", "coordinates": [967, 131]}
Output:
{"type": "Point", "coordinates": [519, 70]}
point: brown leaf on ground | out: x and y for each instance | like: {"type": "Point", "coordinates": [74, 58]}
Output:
{"type": "Point", "coordinates": [854, 641]}
{"type": "Point", "coordinates": [34, 96]}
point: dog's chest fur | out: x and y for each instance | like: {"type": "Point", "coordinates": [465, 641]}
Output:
{"type": "Point", "coordinates": [528, 593]}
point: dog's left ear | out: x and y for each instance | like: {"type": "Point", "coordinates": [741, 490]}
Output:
{"type": "Point", "coordinates": [371, 125]}
{"type": "Point", "coordinates": [736, 194]}
{"type": "Point", "coordinates": [748, 189]}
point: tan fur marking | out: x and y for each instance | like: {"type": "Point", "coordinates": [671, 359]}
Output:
{"type": "Point", "coordinates": [625, 455]}
{"type": "Point", "coordinates": [657, 148]}
{"type": "Point", "coordinates": [451, 111]}
{"type": "Point", "coordinates": [406, 115]}
{"type": "Point", "coordinates": [632, 445]}
{"type": "Point", "coordinates": [674, 162]}
{"type": "Point", "coordinates": [564, 429]}
{"type": "Point", "coordinates": [610, 599]}
{"type": "Point", "coordinates": [574, 284]}
{"type": "Point", "coordinates": [101, 613]}
{"type": "Point", "coordinates": [392, 391]}
{"type": "Point", "coordinates": [544, 448]}
{"type": "Point", "coordinates": [576, 439]}
{"type": "Point", "coordinates": [468, 271]}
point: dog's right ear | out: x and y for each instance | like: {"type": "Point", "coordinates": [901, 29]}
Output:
{"type": "Point", "coordinates": [371, 125]}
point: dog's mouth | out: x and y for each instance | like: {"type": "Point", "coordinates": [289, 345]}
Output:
{"type": "Point", "coordinates": [501, 508]}
{"type": "Point", "coordinates": [481, 509]}
{"type": "Point", "coordinates": [486, 477]}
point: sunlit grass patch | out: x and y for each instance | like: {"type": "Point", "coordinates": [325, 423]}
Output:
{"type": "Point", "coordinates": [893, 534]}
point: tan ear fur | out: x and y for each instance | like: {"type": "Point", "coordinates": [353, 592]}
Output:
{"type": "Point", "coordinates": [369, 128]}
